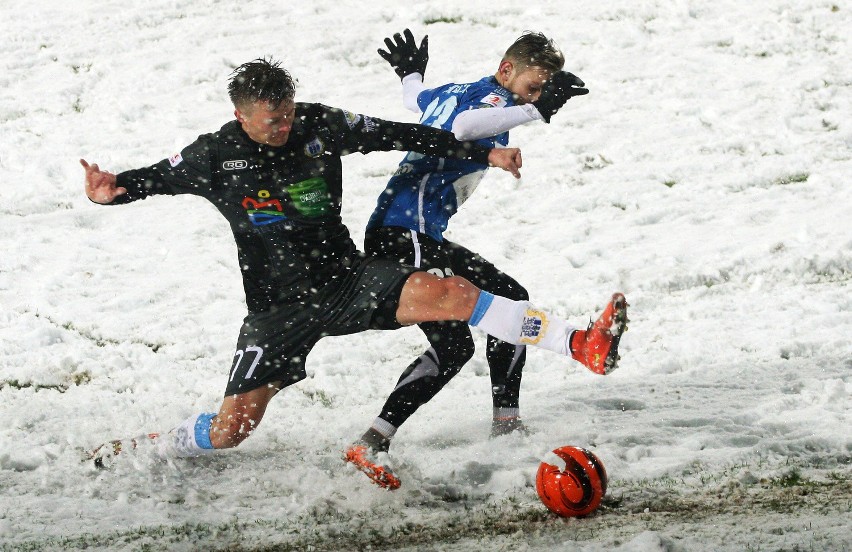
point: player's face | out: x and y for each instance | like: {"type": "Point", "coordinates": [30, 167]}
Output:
{"type": "Point", "coordinates": [267, 125]}
{"type": "Point", "coordinates": [525, 83]}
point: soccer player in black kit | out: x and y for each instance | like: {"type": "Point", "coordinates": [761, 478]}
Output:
{"type": "Point", "coordinates": [275, 174]}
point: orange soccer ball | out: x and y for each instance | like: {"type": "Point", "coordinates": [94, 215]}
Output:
{"type": "Point", "coordinates": [572, 483]}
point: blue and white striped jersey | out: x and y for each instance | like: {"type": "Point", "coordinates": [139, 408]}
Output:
{"type": "Point", "coordinates": [426, 191]}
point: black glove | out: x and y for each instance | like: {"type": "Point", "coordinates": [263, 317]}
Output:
{"type": "Point", "coordinates": [558, 89]}
{"type": "Point", "coordinates": [404, 56]}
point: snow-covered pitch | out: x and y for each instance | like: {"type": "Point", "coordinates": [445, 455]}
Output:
{"type": "Point", "coordinates": [706, 175]}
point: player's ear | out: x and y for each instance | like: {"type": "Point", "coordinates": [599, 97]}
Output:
{"type": "Point", "coordinates": [505, 69]}
{"type": "Point", "coordinates": [239, 116]}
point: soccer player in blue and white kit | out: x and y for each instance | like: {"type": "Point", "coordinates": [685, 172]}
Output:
{"type": "Point", "coordinates": [413, 212]}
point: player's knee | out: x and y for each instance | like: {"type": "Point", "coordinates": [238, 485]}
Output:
{"type": "Point", "coordinates": [454, 345]}
{"type": "Point", "coordinates": [463, 349]}
{"type": "Point", "coordinates": [459, 292]}
{"type": "Point", "coordinates": [456, 355]}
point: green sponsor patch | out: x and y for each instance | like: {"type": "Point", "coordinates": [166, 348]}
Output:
{"type": "Point", "coordinates": [310, 197]}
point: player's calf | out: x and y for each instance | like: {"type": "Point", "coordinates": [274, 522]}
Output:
{"type": "Point", "coordinates": [520, 323]}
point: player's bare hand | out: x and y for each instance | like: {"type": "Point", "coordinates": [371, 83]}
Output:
{"type": "Point", "coordinates": [100, 185]}
{"type": "Point", "coordinates": [508, 159]}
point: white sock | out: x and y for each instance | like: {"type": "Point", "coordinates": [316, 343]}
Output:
{"type": "Point", "coordinates": [520, 323]}
{"type": "Point", "coordinates": [190, 438]}
{"type": "Point", "coordinates": [384, 427]}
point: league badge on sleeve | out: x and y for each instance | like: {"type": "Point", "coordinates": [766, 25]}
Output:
{"type": "Point", "coordinates": [494, 99]}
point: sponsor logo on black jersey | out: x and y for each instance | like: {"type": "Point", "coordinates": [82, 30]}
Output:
{"type": "Point", "coordinates": [235, 165]}
{"type": "Point", "coordinates": [351, 118]}
{"type": "Point", "coordinates": [264, 209]}
{"type": "Point", "coordinates": [369, 125]}
{"type": "Point", "coordinates": [310, 197]}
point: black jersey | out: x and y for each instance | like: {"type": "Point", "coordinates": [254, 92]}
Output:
{"type": "Point", "coordinates": [283, 203]}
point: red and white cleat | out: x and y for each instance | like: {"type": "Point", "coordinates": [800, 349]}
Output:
{"type": "Point", "coordinates": [597, 346]}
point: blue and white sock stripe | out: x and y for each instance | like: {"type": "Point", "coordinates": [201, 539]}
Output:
{"type": "Point", "coordinates": [482, 304]}
{"type": "Point", "coordinates": [202, 430]}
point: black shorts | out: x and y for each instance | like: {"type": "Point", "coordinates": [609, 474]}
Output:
{"type": "Point", "coordinates": [442, 259]}
{"type": "Point", "coordinates": [274, 344]}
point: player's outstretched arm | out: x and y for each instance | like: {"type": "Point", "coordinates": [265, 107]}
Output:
{"type": "Point", "coordinates": [508, 159]}
{"type": "Point", "coordinates": [100, 185]}
{"type": "Point", "coordinates": [412, 86]}
{"type": "Point", "coordinates": [474, 124]}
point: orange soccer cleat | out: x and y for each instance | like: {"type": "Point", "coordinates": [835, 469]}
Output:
{"type": "Point", "coordinates": [597, 347]}
{"type": "Point", "coordinates": [364, 458]}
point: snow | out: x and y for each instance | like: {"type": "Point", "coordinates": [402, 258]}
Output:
{"type": "Point", "coordinates": [705, 176]}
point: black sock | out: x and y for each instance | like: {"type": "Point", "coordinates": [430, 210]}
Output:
{"type": "Point", "coordinates": [375, 440]}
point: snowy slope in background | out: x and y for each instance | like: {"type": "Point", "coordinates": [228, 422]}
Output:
{"type": "Point", "coordinates": [706, 175]}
